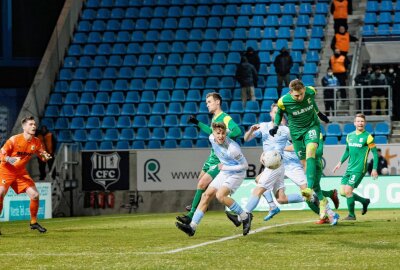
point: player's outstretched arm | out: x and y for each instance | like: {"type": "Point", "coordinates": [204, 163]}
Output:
{"type": "Point", "coordinates": [206, 129]}
{"type": "Point", "coordinates": [249, 135]}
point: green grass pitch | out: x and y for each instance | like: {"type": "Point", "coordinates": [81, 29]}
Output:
{"type": "Point", "coordinates": [151, 241]}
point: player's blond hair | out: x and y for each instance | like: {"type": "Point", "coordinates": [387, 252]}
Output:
{"type": "Point", "coordinates": [360, 115]}
{"type": "Point", "coordinates": [296, 85]}
{"type": "Point", "coordinates": [215, 96]}
{"type": "Point", "coordinates": [220, 125]}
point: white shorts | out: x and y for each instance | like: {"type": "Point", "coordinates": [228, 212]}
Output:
{"type": "Point", "coordinates": [272, 179]}
{"type": "Point", "coordinates": [297, 175]}
{"type": "Point", "coordinates": [229, 180]}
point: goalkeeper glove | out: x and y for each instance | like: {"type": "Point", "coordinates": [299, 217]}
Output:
{"type": "Point", "coordinates": [12, 160]}
{"type": "Point", "coordinates": [323, 117]}
{"type": "Point", "coordinates": [273, 131]}
{"type": "Point", "coordinates": [193, 120]}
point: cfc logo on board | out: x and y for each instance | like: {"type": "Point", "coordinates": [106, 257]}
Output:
{"type": "Point", "coordinates": [151, 168]}
{"type": "Point", "coordinates": [105, 168]}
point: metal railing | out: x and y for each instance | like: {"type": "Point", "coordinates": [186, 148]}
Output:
{"type": "Point", "coordinates": [360, 103]}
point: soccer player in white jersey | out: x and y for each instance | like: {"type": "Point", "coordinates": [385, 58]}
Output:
{"type": "Point", "coordinates": [272, 181]}
{"type": "Point", "coordinates": [232, 166]}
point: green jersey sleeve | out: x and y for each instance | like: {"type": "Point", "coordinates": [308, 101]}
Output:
{"type": "Point", "coordinates": [206, 129]}
{"type": "Point", "coordinates": [234, 128]}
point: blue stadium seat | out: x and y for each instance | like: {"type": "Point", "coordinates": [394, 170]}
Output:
{"type": "Point", "coordinates": [52, 111]}
{"type": "Point", "coordinates": [111, 134]}
{"type": "Point", "coordinates": [154, 145]}
{"type": "Point", "coordinates": [185, 71]}
{"type": "Point", "coordinates": [383, 30]}
{"type": "Point", "coordinates": [274, 9]}
{"type": "Point", "coordinates": [122, 145]}
{"type": "Point", "coordinates": [249, 119]}
{"type": "Point", "coordinates": [76, 123]}
{"type": "Point", "coordinates": [381, 139]}
{"type": "Point", "coordinates": [386, 6]}
{"type": "Point", "coordinates": [143, 133]}
{"type": "Point", "coordinates": [298, 45]}
{"type": "Point", "coordinates": [190, 108]}
{"type": "Point", "coordinates": [171, 120]}
{"type": "Point", "coordinates": [143, 109]}
{"type": "Point", "coordinates": [80, 135]}
{"type": "Point", "coordinates": [382, 129]}
{"type": "Point", "coordinates": [370, 18]}
{"type": "Point", "coordinates": [385, 18]}
{"type": "Point", "coordinates": [271, 93]}
{"type": "Point", "coordinates": [272, 81]}
{"type": "Point", "coordinates": [95, 135]}
{"type": "Point", "coordinates": [289, 9]}
{"type": "Point", "coordinates": [322, 8]}
{"type": "Point", "coordinates": [167, 84]}
{"type": "Point", "coordinates": [303, 20]}
{"type": "Point", "coordinates": [113, 110]}
{"type": "Point", "coordinates": [67, 111]}
{"type": "Point", "coordinates": [266, 105]}
{"type": "Point", "coordinates": [368, 30]}
{"type": "Point", "coordinates": [72, 98]}
{"type": "Point", "coordinates": [170, 144]}
{"type": "Point", "coordinates": [333, 129]}
{"type": "Point", "coordinates": [287, 21]}
{"type": "Point", "coordinates": [138, 145]}
{"type": "Point", "coordinates": [317, 32]}
{"type": "Point", "coordinates": [315, 44]}
{"type": "Point", "coordinates": [236, 107]}
{"type": "Point", "coordinates": [127, 134]}
{"type": "Point", "coordinates": [128, 109]}
{"type": "Point", "coordinates": [329, 140]}
{"type": "Point", "coordinates": [108, 122]}
{"type": "Point", "coordinates": [348, 128]}
{"type": "Point", "coordinates": [158, 134]}
{"type": "Point", "coordinates": [190, 133]}
{"type": "Point", "coordinates": [372, 6]}
{"type": "Point", "coordinates": [124, 122]}
{"type": "Point", "coordinates": [174, 108]}
{"type": "Point", "coordinates": [264, 117]}
{"type": "Point", "coordinates": [186, 144]}
{"type": "Point", "coordinates": [305, 9]}
{"type": "Point", "coordinates": [139, 121]}
{"type": "Point", "coordinates": [174, 133]}
{"type": "Point", "coordinates": [61, 87]}
{"type": "Point", "coordinates": [252, 107]}
{"type": "Point", "coordinates": [106, 145]}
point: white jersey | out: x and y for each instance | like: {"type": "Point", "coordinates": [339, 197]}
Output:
{"type": "Point", "coordinates": [230, 155]}
{"type": "Point", "coordinates": [291, 160]}
{"type": "Point", "coordinates": [278, 142]}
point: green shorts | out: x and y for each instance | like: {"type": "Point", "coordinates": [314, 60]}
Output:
{"type": "Point", "coordinates": [311, 136]}
{"type": "Point", "coordinates": [352, 179]}
{"type": "Point", "coordinates": [211, 166]}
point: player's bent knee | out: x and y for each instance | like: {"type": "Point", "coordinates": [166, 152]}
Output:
{"type": "Point", "coordinates": [342, 192]}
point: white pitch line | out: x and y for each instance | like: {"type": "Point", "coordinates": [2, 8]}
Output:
{"type": "Point", "coordinates": [5, 254]}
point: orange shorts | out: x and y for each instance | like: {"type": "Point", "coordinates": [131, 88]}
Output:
{"type": "Point", "coordinates": [19, 183]}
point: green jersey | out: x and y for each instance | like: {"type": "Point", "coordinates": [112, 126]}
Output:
{"type": "Point", "coordinates": [233, 131]}
{"type": "Point", "coordinates": [358, 145]}
{"type": "Point", "coordinates": [301, 114]}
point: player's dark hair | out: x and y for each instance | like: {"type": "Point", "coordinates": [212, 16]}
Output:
{"type": "Point", "coordinates": [360, 115]}
{"type": "Point", "coordinates": [27, 118]}
{"type": "Point", "coordinates": [215, 95]}
{"type": "Point", "coordinates": [220, 125]}
{"type": "Point", "coordinates": [296, 85]}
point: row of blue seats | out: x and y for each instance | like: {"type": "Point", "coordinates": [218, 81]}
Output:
{"type": "Point", "coordinates": [149, 40]}
{"type": "Point", "coordinates": [381, 30]}
{"type": "Point", "coordinates": [333, 140]}
{"type": "Point", "coordinates": [201, 23]}
{"type": "Point", "coordinates": [208, 35]}
{"type": "Point", "coordinates": [190, 10]}
{"type": "Point", "coordinates": [383, 6]}
{"type": "Point", "coordinates": [223, 54]}
{"type": "Point", "coordinates": [335, 129]}
{"type": "Point", "coordinates": [309, 71]}
{"type": "Point", "coordinates": [162, 108]}
{"type": "Point", "coordinates": [75, 97]}
{"type": "Point", "coordinates": [198, 22]}
{"type": "Point", "coordinates": [138, 121]}
{"type": "Point", "coordinates": [383, 18]}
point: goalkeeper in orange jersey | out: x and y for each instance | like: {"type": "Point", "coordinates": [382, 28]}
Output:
{"type": "Point", "coordinates": [14, 156]}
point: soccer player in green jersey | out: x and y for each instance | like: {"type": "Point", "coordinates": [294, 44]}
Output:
{"type": "Point", "coordinates": [358, 145]}
{"type": "Point", "coordinates": [210, 167]}
{"type": "Point", "coordinates": [300, 107]}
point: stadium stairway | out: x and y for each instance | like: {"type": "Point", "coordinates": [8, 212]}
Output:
{"type": "Point", "coordinates": [395, 136]}
{"type": "Point", "coordinates": [355, 22]}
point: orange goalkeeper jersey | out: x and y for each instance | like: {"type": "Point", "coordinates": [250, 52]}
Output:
{"type": "Point", "coordinates": [18, 146]}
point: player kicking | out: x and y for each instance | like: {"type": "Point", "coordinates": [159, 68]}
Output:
{"type": "Point", "coordinates": [291, 165]}
{"type": "Point", "coordinates": [232, 166]}
{"type": "Point", "coordinates": [358, 145]}
{"type": "Point", "coordinates": [14, 155]}
{"type": "Point", "coordinates": [209, 170]}
{"type": "Point", "coordinates": [302, 112]}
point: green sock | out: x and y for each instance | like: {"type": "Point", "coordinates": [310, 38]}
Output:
{"type": "Point", "coordinates": [196, 201]}
{"type": "Point", "coordinates": [313, 207]}
{"type": "Point", "coordinates": [310, 172]}
{"type": "Point", "coordinates": [350, 206]}
{"type": "Point", "coordinates": [358, 198]}
{"type": "Point", "coordinates": [318, 174]}
{"type": "Point", "coordinates": [327, 194]}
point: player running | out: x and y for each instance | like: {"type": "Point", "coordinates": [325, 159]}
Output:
{"type": "Point", "coordinates": [302, 112]}
{"type": "Point", "coordinates": [358, 145]}
{"type": "Point", "coordinates": [232, 166]}
{"type": "Point", "coordinates": [14, 155]}
{"type": "Point", "coordinates": [209, 170]}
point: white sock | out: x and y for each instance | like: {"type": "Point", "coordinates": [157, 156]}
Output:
{"type": "Point", "coordinates": [243, 216]}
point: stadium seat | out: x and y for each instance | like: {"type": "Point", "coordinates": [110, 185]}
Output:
{"type": "Point", "coordinates": [333, 130]}
{"type": "Point", "coordinates": [122, 145]}
{"type": "Point", "coordinates": [382, 129]}
{"type": "Point", "coordinates": [124, 122]}
{"type": "Point", "coordinates": [111, 135]}
{"type": "Point", "coordinates": [186, 144]}
{"type": "Point", "coordinates": [330, 140]}
{"type": "Point", "coordinates": [174, 133]}
{"type": "Point", "coordinates": [159, 108]}
{"type": "Point", "coordinates": [95, 135]}
{"type": "Point", "coordinates": [381, 139]}
{"type": "Point", "coordinates": [138, 145]}
{"type": "Point", "coordinates": [348, 128]}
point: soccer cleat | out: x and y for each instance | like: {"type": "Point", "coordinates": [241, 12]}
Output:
{"type": "Point", "coordinates": [272, 213]}
{"type": "Point", "coordinates": [365, 207]}
{"type": "Point", "coordinates": [184, 219]}
{"type": "Point", "coordinates": [188, 207]}
{"type": "Point", "coordinates": [350, 218]}
{"type": "Point", "coordinates": [186, 228]}
{"type": "Point", "coordinates": [322, 221]}
{"type": "Point", "coordinates": [335, 199]}
{"type": "Point", "coordinates": [247, 224]}
{"type": "Point", "coordinates": [233, 218]}
{"type": "Point", "coordinates": [335, 219]}
{"type": "Point", "coordinates": [307, 193]}
{"type": "Point", "coordinates": [37, 226]}
{"type": "Point", "coordinates": [322, 208]}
